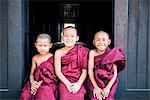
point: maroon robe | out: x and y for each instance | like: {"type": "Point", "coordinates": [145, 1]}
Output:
{"type": "Point", "coordinates": [72, 64]}
{"type": "Point", "coordinates": [48, 89]}
{"type": "Point", "coordinates": [103, 70]}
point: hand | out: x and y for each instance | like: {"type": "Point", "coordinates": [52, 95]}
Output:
{"type": "Point", "coordinates": [38, 85]}
{"type": "Point", "coordinates": [98, 93]}
{"type": "Point", "coordinates": [75, 87]}
{"type": "Point", "coordinates": [69, 87]}
{"type": "Point", "coordinates": [34, 87]}
{"type": "Point", "coordinates": [33, 92]}
{"type": "Point", "coordinates": [106, 92]}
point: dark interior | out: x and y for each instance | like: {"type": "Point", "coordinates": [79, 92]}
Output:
{"type": "Point", "coordinates": [49, 17]}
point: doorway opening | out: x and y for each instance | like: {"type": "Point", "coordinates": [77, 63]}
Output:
{"type": "Point", "coordinates": [52, 16]}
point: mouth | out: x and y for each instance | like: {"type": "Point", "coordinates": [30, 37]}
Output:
{"type": "Point", "coordinates": [100, 45]}
{"type": "Point", "coordinates": [42, 51]}
{"type": "Point", "coordinates": [69, 42]}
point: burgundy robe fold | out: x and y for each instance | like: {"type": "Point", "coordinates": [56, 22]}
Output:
{"type": "Point", "coordinates": [72, 64]}
{"type": "Point", "coordinates": [48, 89]}
{"type": "Point", "coordinates": [103, 71]}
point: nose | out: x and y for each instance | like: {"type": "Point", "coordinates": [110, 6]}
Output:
{"type": "Point", "coordinates": [100, 41]}
{"type": "Point", "coordinates": [42, 47]}
{"type": "Point", "coordinates": [69, 37]}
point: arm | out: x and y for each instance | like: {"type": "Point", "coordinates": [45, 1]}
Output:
{"type": "Point", "coordinates": [32, 81]}
{"type": "Point", "coordinates": [83, 76]}
{"type": "Point", "coordinates": [97, 92]}
{"type": "Point", "coordinates": [59, 74]}
{"type": "Point", "coordinates": [90, 68]}
{"type": "Point", "coordinates": [32, 69]}
{"type": "Point", "coordinates": [111, 82]}
{"type": "Point", "coordinates": [77, 85]}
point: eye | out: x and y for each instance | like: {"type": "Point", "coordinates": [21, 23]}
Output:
{"type": "Point", "coordinates": [65, 35]}
{"type": "Point", "coordinates": [46, 45]}
{"type": "Point", "coordinates": [97, 40]}
{"type": "Point", "coordinates": [40, 45]}
{"type": "Point", "coordinates": [103, 39]}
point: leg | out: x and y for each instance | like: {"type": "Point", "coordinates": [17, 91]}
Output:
{"type": "Point", "coordinates": [66, 95]}
{"type": "Point", "coordinates": [26, 95]}
{"type": "Point", "coordinates": [45, 93]}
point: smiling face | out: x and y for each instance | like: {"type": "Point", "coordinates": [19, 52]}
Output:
{"type": "Point", "coordinates": [43, 45]}
{"type": "Point", "coordinates": [101, 41]}
{"type": "Point", "coordinates": [70, 37]}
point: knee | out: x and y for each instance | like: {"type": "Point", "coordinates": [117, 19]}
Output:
{"type": "Point", "coordinates": [25, 95]}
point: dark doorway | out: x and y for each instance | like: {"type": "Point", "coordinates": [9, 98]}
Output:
{"type": "Point", "coordinates": [50, 17]}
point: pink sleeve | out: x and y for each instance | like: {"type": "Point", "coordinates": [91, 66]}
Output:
{"type": "Point", "coordinates": [83, 56]}
{"type": "Point", "coordinates": [116, 56]}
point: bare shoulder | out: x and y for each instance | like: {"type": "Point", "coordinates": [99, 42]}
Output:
{"type": "Point", "coordinates": [92, 52]}
{"type": "Point", "coordinates": [50, 54]}
{"type": "Point", "coordinates": [59, 52]}
{"type": "Point", "coordinates": [34, 58]}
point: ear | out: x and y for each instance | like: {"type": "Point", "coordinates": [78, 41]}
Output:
{"type": "Point", "coordinates": [35, 44]}
{"type": "Point", "coordinates": [77, 39]}
{"type": "Point", "coordinates": [93, 42]}
{"type": "Point", "coordinates": [62, 37]}
{"type": "Point", "coordinates": [109, 41]}
{"type": "Point", "coordinates": [50, 45]}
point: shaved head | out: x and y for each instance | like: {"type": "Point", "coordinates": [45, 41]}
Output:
{"type": "Point", "coordinates": [101, 32]}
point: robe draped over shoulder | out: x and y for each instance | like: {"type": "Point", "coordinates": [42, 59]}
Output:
{"type": "Point", "coordinates": [45, 71]}
{"type": "Point", "coordinates": [48, 89]}
{"type": "Point", "coordinates": [72, 64]}
{"type": "Point", "coordinates": [103, 71]}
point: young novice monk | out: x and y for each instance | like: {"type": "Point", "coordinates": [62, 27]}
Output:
{"type": "Point", "coordinates": [43, 82]}
{"type": "Point", "coordinates": [70, 66]}
{"type": "Point", "coordinates": [103, 67]}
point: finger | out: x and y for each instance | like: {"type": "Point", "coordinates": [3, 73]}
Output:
{"type": "Point", "coordinates": [34, 83]}
{"type": "Point", "coordinates": [97, 96]}
{"type": "Point", "coordinates": [33, 88]}
{"type": "Point", "coordinates": [102, 92]}
{"type": "Point", "coordinates": [94, 93]}
{"type": "Point", "coordinates": [36, 86]}
{"type": "Point", "coordinates": [31, 92]}
{"type": "Point", "coordinates": [70, 89]}
{"type": "Point", "coordinates": [100, 97]}
{"type": "Point", "coordinates": [34, 92]}
{"type": "Point", "coordinates": [104, 96]}
{"type": "Point", "coordinates": [107, 95]}
{"type": "Point", "coordinates": [74, 92]}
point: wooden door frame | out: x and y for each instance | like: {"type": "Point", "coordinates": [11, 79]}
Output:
{"type": "Point", "coordinates": [120, 36]}
{"type": "Point", "coordinates": [121, 31]}
{"type": "Point", "coordinates": [14, 29]}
